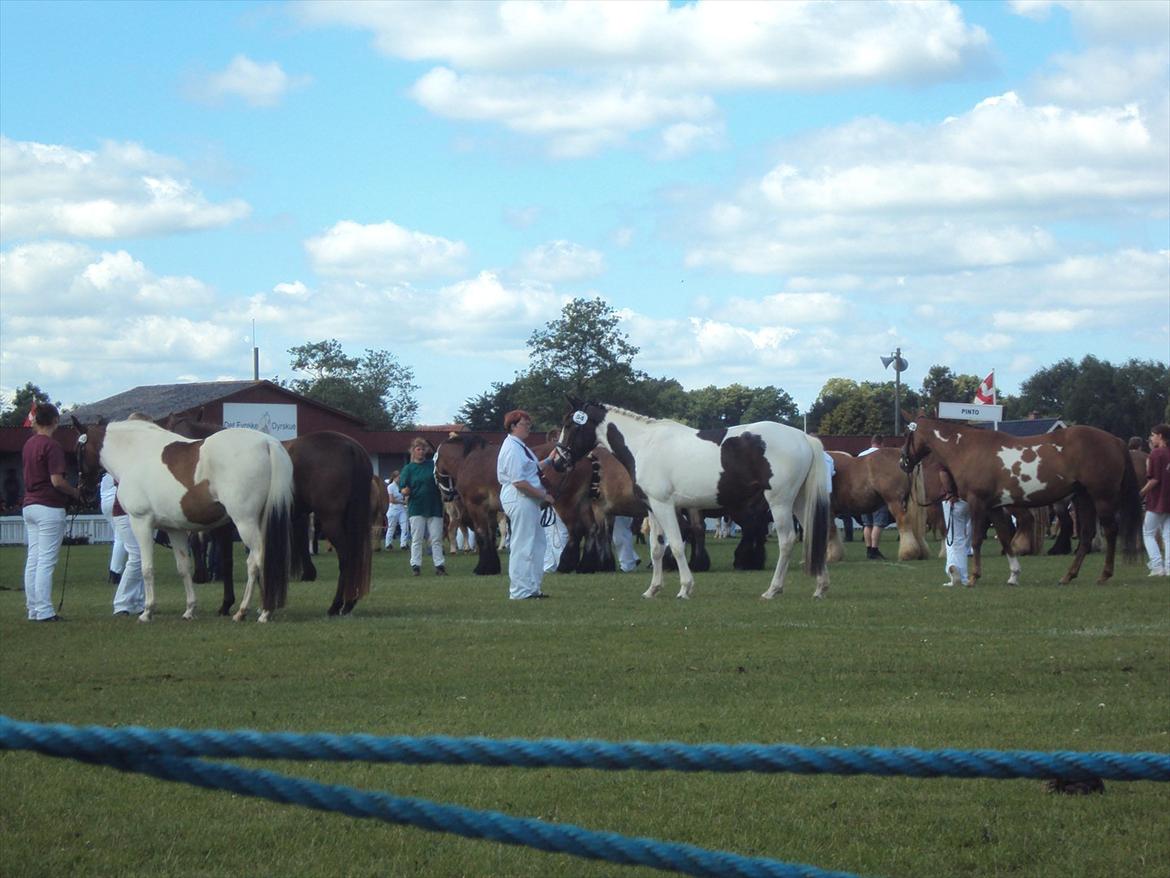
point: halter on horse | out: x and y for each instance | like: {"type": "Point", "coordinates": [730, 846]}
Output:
{"type": "Point", "coordinates": [674, 466]}
{"type": "Point", "coordinates": [994, 470]}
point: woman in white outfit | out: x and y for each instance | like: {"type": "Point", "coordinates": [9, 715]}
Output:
{"type": "Point", "coordinates": [107, 490]}
{"type": "Point", "coordinates": [522, 496]}
{"type": "Point", "coordinates": [957, 516]}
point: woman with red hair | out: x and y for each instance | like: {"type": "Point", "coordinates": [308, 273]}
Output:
{"type": "Point", "coordinates": [522, 495]}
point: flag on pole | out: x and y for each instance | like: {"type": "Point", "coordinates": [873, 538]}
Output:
{"type": "Point", "coordinates": [31, 417]}
{"type": "Point", "coordinates": [986, 392]}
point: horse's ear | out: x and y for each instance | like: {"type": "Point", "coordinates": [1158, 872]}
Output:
{"type": "Point", "coordinates": [907, 417]}
{"type": "Point", "coordinates": [77, 425]}
{"type": "Point", "coordinates": [576, 403]}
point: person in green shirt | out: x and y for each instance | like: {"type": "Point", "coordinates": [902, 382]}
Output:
{"type": "Point", "coordinates": [423, 506]}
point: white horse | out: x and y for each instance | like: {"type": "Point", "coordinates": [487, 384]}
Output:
{"type": "Point", "coordinates": [674, 466]}
{"type": "Point", "coordinates": [181, 485]}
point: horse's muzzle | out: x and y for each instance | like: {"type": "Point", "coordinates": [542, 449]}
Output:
{"type": "Point", "coordinates": [562, 458]}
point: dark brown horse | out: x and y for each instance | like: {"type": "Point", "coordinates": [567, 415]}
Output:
{"type": "Point", "coordinates": [862, 485]}
{"type": "Point", "coordinates": [333, 479]}
{"type": "Point", "coordinates": [465, 467]}
{"type": "Point", "coordinates": [993, 470]}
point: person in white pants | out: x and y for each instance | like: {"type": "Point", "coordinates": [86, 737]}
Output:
{"type": "Point", "coordinates": [130, 598]}
{"type": "Point", "coordinates": [107, 491]}
{"type": "Point", "coordinates": [521, 495]}
{"type": "Point", "coordinates": [623, 541]}
{"type": "Point", "coordinates": [46, 493]}
{"type": "Point", "coordinates": [1156, 494]}
{"type": "Point", "coordinates": [397, 521]}
{"type": "Point", "coordinates": [957, 515]}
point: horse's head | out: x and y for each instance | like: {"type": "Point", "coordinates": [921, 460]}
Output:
{"type": "Point", "coordinates": [914, 448]}
{"type": "Point", "coordinates": [578, 432]}
{"type": "Point", "coordinates": [89, 457]}
{"type": "Point", "coordinates": [448, 460]}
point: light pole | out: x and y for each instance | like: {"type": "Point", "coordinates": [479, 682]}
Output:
{"type": "Point", "coordinates": [900, 366]}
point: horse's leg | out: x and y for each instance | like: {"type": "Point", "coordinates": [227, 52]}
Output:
{"type": "Point", "coordinates": [668, 521]}
{"type": "Point", "coordinates": [223, 537]}
{"type": "Point", "coordinates": [1086, 524]}
{"type": "Point", "coordinates": [143, 529]}
{"type": "Point", "coordinates": [251, 537]}
{"type": "Point", "coordinates": [978, 533]}
{"type": "Point", "coordinates": [1108, 519]}
{"type": "Point", "coordinates": [657, 550]}
{"type": "Point", "coordinates": [185, 565]}
{"type": "Point", "coordinates": [700, 560]}
{"type": "Point", "coordinates": [785, 540]}
{"type": "Point", "coordinates": [1004, 532]}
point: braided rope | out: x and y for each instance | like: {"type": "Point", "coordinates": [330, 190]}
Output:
{"type": "Point", "coordinates": [171, 754]}
{"type": "Point", "coordinates": [66, 740]}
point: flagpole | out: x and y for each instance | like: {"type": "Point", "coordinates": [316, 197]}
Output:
{"type": "Point", "coordinates": [994, 391]}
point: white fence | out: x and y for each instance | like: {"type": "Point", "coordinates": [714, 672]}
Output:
{"type": "Point", "coordinates": [94, 527]}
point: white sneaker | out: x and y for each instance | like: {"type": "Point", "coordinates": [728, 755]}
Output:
{"type": "Point", "coordinates": [1158, 571]}
{"type": "Point", "coordinates": [953, 572]}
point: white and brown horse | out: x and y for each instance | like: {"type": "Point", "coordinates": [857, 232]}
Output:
{"type": "Point", "coordinates": [993, 470]}
{"type": "Point", "coordinates": [676, 467]}
{"type": "Point", "coordinates": [181, 485]}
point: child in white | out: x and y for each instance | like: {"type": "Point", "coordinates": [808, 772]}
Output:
{"type": "Point", "coordinates": [957, 515]}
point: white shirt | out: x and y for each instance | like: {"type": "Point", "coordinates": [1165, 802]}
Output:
{"type": "Point", "coordinates": [517, 463]}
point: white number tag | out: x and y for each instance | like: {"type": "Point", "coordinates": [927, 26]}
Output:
{"type": "Point", "coordinates": [580, 418]}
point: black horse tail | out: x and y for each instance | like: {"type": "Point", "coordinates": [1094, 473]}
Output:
{"type": "Point", "coordinates": [356, 535]}
{"type": "Point", "coordinates": [815, 517]}
{"type": "Point", "coordinates": [276, 525]}
{"type": "Point", "coordinates": [1129, 513]}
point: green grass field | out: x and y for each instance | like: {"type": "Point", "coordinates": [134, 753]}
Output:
{"type": "Point", "coordinates": [888, 659]}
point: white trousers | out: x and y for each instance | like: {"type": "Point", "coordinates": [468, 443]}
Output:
{"type": "Point", "coordinates": [1153, 524]}
{"type": "Point", "coordinates": [957, 516]}
{"type": "Point", "coordinates": [526, 543]}
{"type": "Point", "coordinates": [431, 530]}
{"type": "Point", "coordinates": [45, 528]}
{"type": "Point", "coordinates": [397, 522]}
{"type": "Point", "coordinates": [131, 594]}
{"type": "Point", "coordinates": [623, 540]}
{"type": "Point", "coordinates": [554, 543]}
{"type": "Point", "coordinates": [118, 551]}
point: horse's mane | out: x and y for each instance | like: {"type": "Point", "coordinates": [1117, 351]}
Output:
{"type": "Point", "coordinates": [645, 419]}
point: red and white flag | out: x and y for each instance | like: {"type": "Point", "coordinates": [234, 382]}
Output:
{"type": "Point", "coordinates": [31, 417]}
{"type": "Point", "coordinates": [986, 392]}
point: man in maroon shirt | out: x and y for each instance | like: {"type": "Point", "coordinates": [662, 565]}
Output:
{"type": "Point", "coordinates": [46, 492]}
{"type": "Point", "coordinates": [1156, 493]}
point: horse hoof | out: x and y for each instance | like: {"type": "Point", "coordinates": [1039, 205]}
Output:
{"type": "Point", "coordinates": [189, 615]}
{"type": "Point", "coordinates": [239, 617]}
{"type": "Point", "coordinates": [145, 617]}
{"type": "Point", "coordinates": [263, 617]}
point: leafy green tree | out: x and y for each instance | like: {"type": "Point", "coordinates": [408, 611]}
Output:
{"type": "Point", "coordinates": [1124, 400]}
{"type": "Point", "coordinates": [486, 411]}
{"type": "Point", "coordinates": [847, 408]}
{"type": "Point", "coordinates": [943, 385]}
{"type": "Point", "coordinates": [374, 387]}
{"type": "Point", "coordinates": [22, 401]}
{"type": "Point", "coordinates": [738, 404]}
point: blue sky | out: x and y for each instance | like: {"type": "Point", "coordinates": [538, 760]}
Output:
{"type": "Point", "coordinates": [768, 193]}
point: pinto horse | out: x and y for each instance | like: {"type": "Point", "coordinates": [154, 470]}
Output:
{"type": "Point", "coordinates": [674, 466]}
{"type": "Point", "coordinates": [179, 485]}
{"type": "Point", "coordinates": [333, 479]}
{"type": "Point", "coordinates": [862, 485]}
{"type": "Point", "coordinates": [994, 470]}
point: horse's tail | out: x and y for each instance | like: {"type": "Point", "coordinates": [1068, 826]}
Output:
{"type": "Point", "coordinates": [815, 517]}
{"type": "Point", "coordinates": [1129, 513]}
{"type": "Point", "coordinates": [356, 529]}
{"type": "Point", "coordinates": [276, 525]}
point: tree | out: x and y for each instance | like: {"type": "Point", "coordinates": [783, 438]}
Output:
{"type": "Point", "coordinates": [486, 411]}
{"type": "Point", "coordinates": [847, 408]}
{"type": "Point", "coordinates": [22, 401]}
{"type": "Point", "coordinates": [582, 353]}
{"type": "Point", "coordinates": [943, 385]}
{"type": "Point", "coordinates": [375, 387]}
{"type": "Point", "coordinates": [737, 404]}
{"type": "Point", "coordinates": [1124, 400]}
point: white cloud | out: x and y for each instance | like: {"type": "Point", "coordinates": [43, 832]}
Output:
{"type": "Point", "coordinates": [872, 196]}
{"type": "Point", "coordinates": [383, 252]}
{"type": "Point", "coordinates": [638, 66]}
{"type": "Point", "coordinates": [1132, 21]}
{"type": "Point", "coordinates": [561, 261]}
{"type": "Point", "coordinates": [1050, 320]}
{"type": "Point", "coordinates": [258, 84]}
{"type": "Point", "coordinates": [1105, 75]}
{"type": "Point", "coordinates": [121, 190]}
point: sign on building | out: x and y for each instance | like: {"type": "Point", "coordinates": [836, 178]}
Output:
{"type": "Point", "coordinates": [278, 420]}
{"type": "Point", "coordinates": [970, 411]}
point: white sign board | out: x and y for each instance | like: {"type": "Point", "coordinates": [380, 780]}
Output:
{"type": "Point", "coordinates": [970, 411]}
{"type": "Point", "coordinates": [277, 420]}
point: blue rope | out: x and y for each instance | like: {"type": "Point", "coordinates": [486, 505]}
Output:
{"type": "Point", "coordinates": [171, 754]}
{"type": "Point", "coordinates": [66, 740]}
